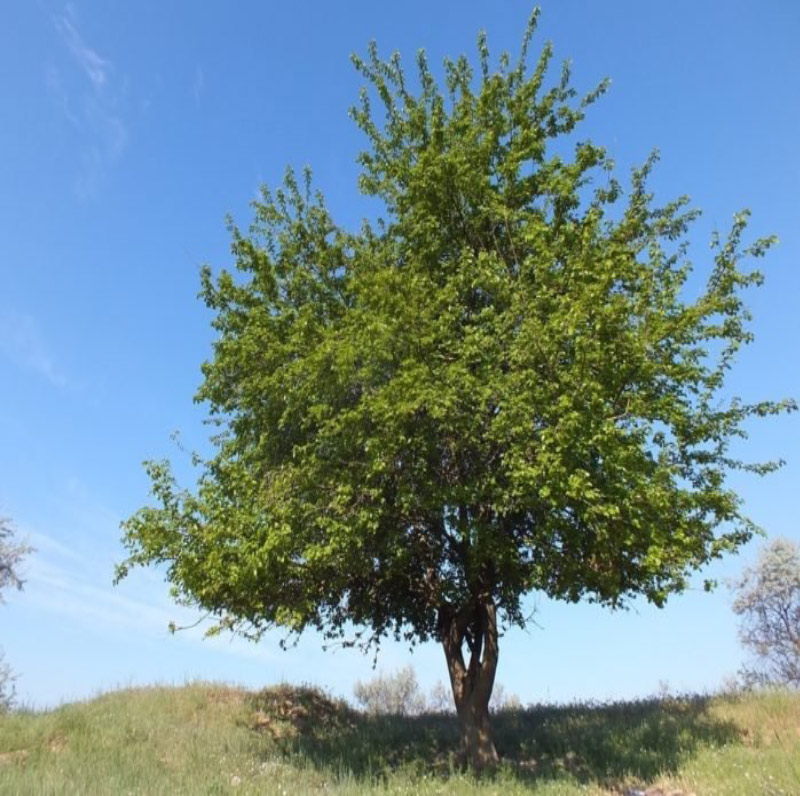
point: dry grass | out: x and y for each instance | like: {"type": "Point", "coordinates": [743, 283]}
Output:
{"type": "Point", "coordinates": [212, 739]}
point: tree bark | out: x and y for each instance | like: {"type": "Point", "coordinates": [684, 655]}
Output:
{"type": "Point", "coordinates": [472, 684]}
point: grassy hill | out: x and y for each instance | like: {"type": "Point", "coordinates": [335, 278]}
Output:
{"type": "Point", "coordinates": [212, 739]}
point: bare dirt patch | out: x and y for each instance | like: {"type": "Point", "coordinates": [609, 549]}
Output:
{"type": "Point", "coordinates": [18, 757]}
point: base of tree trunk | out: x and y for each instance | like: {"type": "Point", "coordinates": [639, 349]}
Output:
{"type": "Point", "coordinates": [477, 745]}
{"type": "Point", "coordinates": [472, 684]}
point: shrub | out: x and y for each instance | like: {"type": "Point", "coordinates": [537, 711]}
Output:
{"type": "Point", "coordinates": [399, 694]}
{"type": "Point", "coordinates": [7, 690]}
{"type": "Point", "coordinates": [395, 694]}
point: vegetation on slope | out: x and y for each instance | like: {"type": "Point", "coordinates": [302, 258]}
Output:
{"type": "Point", "coordinates": [212, 739]}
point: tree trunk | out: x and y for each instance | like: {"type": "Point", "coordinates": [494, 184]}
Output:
{"type": "Point", "coordinates": [472, 684]}
{"type": "Point", "coordinates": [477, 743]}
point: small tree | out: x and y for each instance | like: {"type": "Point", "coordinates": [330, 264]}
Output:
{"type": "Point", "coordinates": [11, 554]}
{"type": "Point", "coordinates": [396, 694]}
{"type": "Point", "coordinates": [503, 701]}
{"type": "Point", "coordinates": [399, 694]}
{"type": "Point", "coordinates": [767, 598]}
{"type": "Point", "coordinates": [440, 698]}
{"type": "Point", "coordinates": [497, 389]}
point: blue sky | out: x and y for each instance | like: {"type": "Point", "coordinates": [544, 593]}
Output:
{"type": "Point", "coordinates": [129, 131]}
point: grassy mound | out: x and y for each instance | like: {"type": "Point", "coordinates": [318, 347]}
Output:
{"type": "Point", "coordinates": [212, 739]}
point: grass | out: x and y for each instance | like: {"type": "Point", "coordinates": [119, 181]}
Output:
{"type": "Point", "coordinates": [212, 739]}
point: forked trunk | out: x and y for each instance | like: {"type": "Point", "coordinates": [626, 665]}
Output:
{"type": "Point", "coordinates": [477, 742]}
{"type": "Point", "coordinates": [472, 684]}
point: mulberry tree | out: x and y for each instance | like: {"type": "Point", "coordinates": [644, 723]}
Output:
{"type": "Point", "coordinates": [498, 388]}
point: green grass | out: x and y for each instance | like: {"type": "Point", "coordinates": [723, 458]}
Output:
{"type": "Point", "coordinates": [211, 739]}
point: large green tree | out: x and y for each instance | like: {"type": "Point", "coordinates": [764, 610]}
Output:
{"type": "Point", "coordinates": [501, 387]}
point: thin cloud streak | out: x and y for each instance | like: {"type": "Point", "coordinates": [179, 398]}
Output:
{"type": "Point", "coordinates": [62, 589]}
{"type": "Point", "coordinates": [55, 86]}
{"type": "Point", "coordinates": [22, 342]}
{"type": "Point", "coordinates": [95, 67]}
{"type": "Point", "coordinates": [98, 105]}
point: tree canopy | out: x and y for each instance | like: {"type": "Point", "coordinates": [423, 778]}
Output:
{"type": "Point", "coordinates": [768, 602]}
{"type": "Point", "coordinates": [500, 387]}
{"type": "Point", "coordinates": [12, 552]}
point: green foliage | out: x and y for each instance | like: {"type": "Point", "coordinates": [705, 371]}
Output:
{"type": "Point", "coordinates": [499, 388]}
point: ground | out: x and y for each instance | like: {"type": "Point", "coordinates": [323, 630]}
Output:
{"type": "Point", "coordinates": [213, 739]}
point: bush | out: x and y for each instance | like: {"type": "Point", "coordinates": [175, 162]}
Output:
{"type": "Point", "coordinates": [399, 694]}
{"type": "Point", "coordinates": [395, 694]}
{"type": "Point", "coordinates": [502, 702]}
{"type": "Point", "coordinates": [440, 699]}
{"type": "Point", "coordinates": [7, 690]}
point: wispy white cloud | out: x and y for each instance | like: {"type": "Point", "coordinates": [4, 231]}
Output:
{"type": "Point", "coordinates": [48, 546]}
{"type": "Point", "coordinates": [22, 342]}
{"type": "Point", "coordinates": [77, 586]}
{"type": "Point", "coordinates": [96, 67]}
{"type": "Point", "coordinates": [95, 107]}
{"type": "Point", "coordinates": [56, 589]}
{"type": "Point", "coordinates": [57, 90]}
{"type": "Point", "coordinates": [199, 83]}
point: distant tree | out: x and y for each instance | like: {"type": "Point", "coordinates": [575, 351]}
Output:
{"type": "Point", "coordinates": [396, 694]}
{"type": "Point", "coordinates": [767, 598]}
{"type": "Point", "coordinates": [440, 698]}
{"type": "Point", "coordinates": [11, 555]}
{"type": "Point", "coordinates": [7, 689]}
{"type": "Point", "coordinates": [503, 700]}
{"type": "Point", "coordinates": [399, 694]}
{"type": "Point", "coordinates": [500, 387]}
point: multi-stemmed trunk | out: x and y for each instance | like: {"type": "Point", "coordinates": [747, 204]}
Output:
{"type": "Point", "coordinates": [472, 683]}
